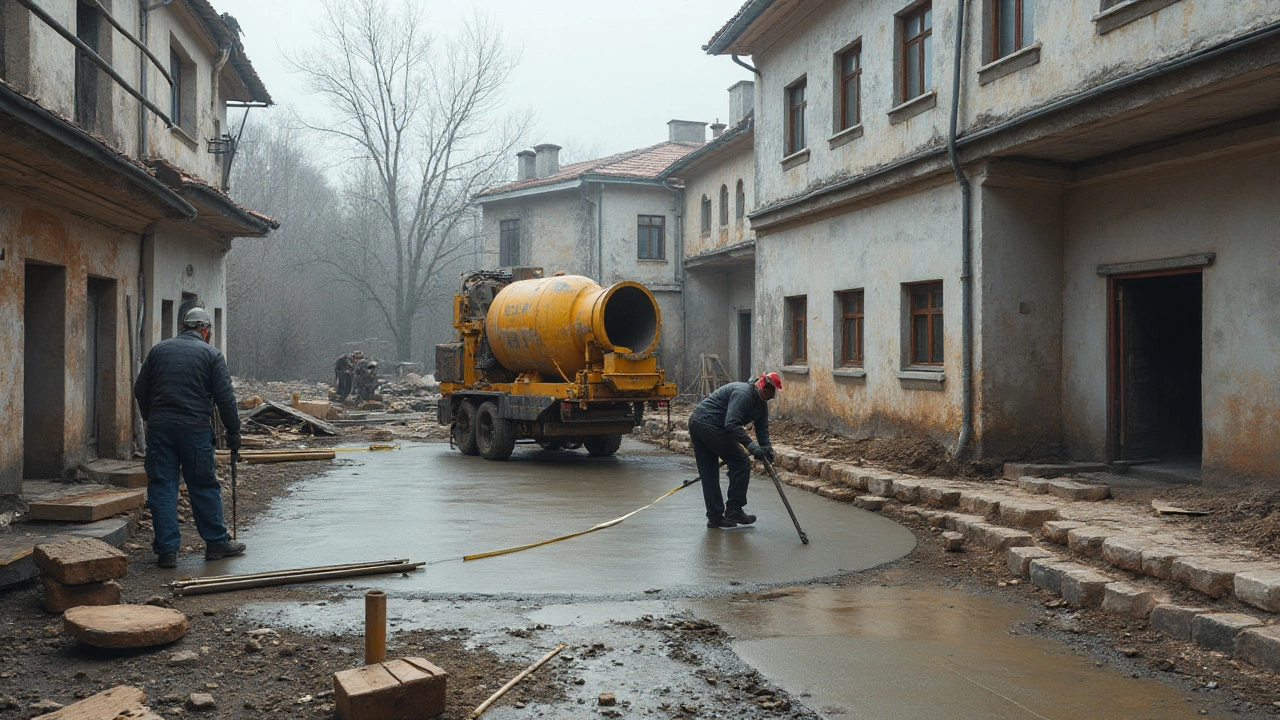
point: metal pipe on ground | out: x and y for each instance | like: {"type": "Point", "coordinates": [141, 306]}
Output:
{"type": "Point", "coordinates": [230, 584]}
{"type": "Point", "coordinates": [375, 627]}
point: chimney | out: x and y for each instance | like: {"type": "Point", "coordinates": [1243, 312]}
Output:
{"type": "Point", "coordinates": [742, 100]}
{"type": "Point", "coordinates": [717, 129]}
{"type": "Point", "coordinates": [548, 160]}
{"type": "Point", "coordinates": [526, 169]}
{"type": "Point", "coordinates": [687, 131]}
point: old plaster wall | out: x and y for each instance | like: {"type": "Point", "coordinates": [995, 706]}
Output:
{"type": "Point", "coordinates": [1072, 57]}
{"type": "Point", "coordinates": [34, 233]}
{"type": "Point", "coordinates": [877, 249]}
{"type": "Point", "coordinates": [557, 232]}
{"type": "Point", "coordinates": [167, 255]}
{"type": "Point", "coordinates": [707, 180]}
{"type": "Point", "coordinates": [622, 205]}
{"type": "Point", "coordinates": [1230, 207]}
{"type": "Point", "coordinates": [741, 298]}
{"type": "Point", "coordinates": [50, 76]}
{"type": "Point", "coordinates": [706, 311]}
{"type": "Point", "coordinates": [1018, 339]}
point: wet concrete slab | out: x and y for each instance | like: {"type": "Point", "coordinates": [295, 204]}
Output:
{"type": "Point", "coordinates": [896, 651]}
{"type": "Point", "coordinates": [427, 502]}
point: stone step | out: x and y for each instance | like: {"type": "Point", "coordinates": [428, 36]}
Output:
{"type": "Point", "coordinates": [1013, 471]}
{"type": "Point", "coordinates": [17, 561]}
{"type": "Point", "coordinates": [118, 473]}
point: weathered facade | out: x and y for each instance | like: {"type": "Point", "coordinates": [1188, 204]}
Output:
{"type": "Point", "coordinates": [112, 213]}
{"type": "Point", "coordinates": [718, 188]}
{"type": "Point", "coordinates": [1114, 295]}
{"type": "Point", "coordinates": [611, 219]}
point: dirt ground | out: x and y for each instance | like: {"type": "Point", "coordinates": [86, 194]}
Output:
{"type": "Point", "coordinates": [255, 671]}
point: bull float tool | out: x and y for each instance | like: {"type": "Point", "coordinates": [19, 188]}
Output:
{"type": "Point", "coordinates": [778, 484]}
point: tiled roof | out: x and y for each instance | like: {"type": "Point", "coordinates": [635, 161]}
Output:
{"type": "Point", "coordinates": [643, 164]}
{"type": "Point", "coordinates": [728, 24]}
{"type": "Point", "coordinates": [223, 29]}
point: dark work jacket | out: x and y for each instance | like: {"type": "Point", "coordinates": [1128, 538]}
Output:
{"type": "Point", "coordinates": [733, 406]}
{"type": "Point", "coordinates": [182, 380]}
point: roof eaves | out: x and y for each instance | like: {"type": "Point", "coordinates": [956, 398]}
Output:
{"type": "Point", "coordinates": [30, 112]}
{"type": "Point", "coordinates": [736, 26]}
{"type": "Point", "coordinates": [540, 189]}
{"type": "Point", "coordinates": [223, 34]}
{"type": "Point", "coordinates": [254, 223]}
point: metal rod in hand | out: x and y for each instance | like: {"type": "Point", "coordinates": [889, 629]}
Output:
{"type": "Point", "coordinates": [234, 518]}
{"type": "Point", "coordinates": [523, 674]}
{"type": "Point", "coordinates": [778, 483]}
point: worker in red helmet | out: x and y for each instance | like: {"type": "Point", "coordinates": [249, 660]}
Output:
{"type": "Point", "coordinates": [717, 428]}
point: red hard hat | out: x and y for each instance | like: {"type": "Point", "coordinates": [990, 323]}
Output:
{"type": "Point", "coordinates": [770, 377]}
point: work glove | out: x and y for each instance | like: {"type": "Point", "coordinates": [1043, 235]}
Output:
{"type": "Point", "coordinates": [756, 451]}
{"type": "Point", "coordinates": [768, 452]}
{"type": "Point", "coordinates": [233, 442]}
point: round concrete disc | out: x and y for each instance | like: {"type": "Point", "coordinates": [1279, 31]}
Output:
{"type": "Point", "coordinates": [124, 626]}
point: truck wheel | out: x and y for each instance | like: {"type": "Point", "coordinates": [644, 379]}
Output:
{"type": "Point", "coordinates": [464, 429]}
{"type": "Point", "coordinates": [551, 445]}
{"type": "Point", "coordinates": [495, 436]}
{"type": "Point", "coordinates": [603, 445]}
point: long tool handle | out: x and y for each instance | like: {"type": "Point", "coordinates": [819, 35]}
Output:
{"type": "Point", "coordinates": [234, 519]}
{"type": "Point", "coordinates": [523, 674]}
{"type": "Point", "coordinates": [778, 484]}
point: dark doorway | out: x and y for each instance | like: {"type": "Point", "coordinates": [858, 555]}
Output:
{"type": "Point", "coordinates": [744, 345]}
{"type": "Point", "coordinates": [100, 366]}
{"type": "Point", "coordinates": [44, 352]}
{"type": "Point", "coordinates": [166, 319]}
{"type": "Point", "coordinates": [1156, 365]}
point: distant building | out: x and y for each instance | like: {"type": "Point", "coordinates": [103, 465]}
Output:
{"type": "Point", "coordinates": [719, 258]}
{"type": "Point", "coordinates": [113, 214]}
{"type": "Point", "coordinates": [1119, 300]}
{"type": "Point", "coordinates": [610, 219]}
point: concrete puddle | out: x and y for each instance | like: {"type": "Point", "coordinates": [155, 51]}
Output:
{"type": "Point", "coordinates": [917, 651]}
{"type": "Point", "coordinates": [427, 502]}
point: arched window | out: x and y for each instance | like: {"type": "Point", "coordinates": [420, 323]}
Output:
{"type": "Point", "coordinates": [706, 214]}
{"type": "Point", "coordinates": [741, 202]}
{"type": "Point", "coordinates": [724, 205]}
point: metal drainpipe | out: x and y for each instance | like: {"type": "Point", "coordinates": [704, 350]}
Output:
{"type": "Point", "coordinates": [679, 278]}
{"type": "Point", "coordinates": [966, 245]}
{"type": "Point", "coordinates": [600, 230]}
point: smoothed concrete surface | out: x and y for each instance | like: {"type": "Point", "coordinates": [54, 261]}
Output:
{"type": "Point", "coordinates": [891, 651]}
{"type": "Point", "coordinates": [427, 502]}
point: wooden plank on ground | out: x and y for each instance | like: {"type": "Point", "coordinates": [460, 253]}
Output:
{"type": "Point", "coordinates": [88, 507]}
{"type": "Point", "coordinates": [106, 705]}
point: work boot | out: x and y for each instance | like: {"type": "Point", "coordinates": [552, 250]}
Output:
{"type": "Point", "coordinates": [720, 522]}
{"type": "Point", "coordinates": [738, 516]}
{"type": "Point", "coordinates": [226, 548]}
{"type": "Point", "coordinates": [168, 561]}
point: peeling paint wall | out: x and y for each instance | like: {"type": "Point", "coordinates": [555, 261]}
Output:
{"type": "Point", "coordinates": [1230, 207]}
{"type": "Point", "coordinates": [1018, 333]}
{"type": "Point", "coordinates": [557, 232]}
{"type": "Point", "coordinates": [178, 259]}
{"type": "Point", "coordinates": [34, 233]}
{"type": "Point", "coordinates": [876, 249]}
{"type": "Point", "coordinates": [1073, 57]}
{"type": "Point", "coordinates": [51, 78]}
{"type": "Point", "coordinates": [707, 180]}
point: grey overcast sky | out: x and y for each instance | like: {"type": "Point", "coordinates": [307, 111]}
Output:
{"type": "Point", "coordinates": [602, 76]}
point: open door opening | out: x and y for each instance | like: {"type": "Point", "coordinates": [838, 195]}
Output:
{"type": "Point", "coordinates": [744, 345]}
{"type": "Point", "coordinates": [100, 367]}
{"type": "Point", "coordinates": [44, 371]}
{"type": "Point", "coordinates": [1157, 345]}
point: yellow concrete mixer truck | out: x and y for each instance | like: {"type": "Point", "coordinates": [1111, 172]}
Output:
{"type": "Point", "coordinates": [560, 361]}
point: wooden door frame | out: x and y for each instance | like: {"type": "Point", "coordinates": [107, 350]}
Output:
{"type": "Point", "coordinates": [1115, 368]}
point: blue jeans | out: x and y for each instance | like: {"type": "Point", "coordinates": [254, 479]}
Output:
{"type": "Point", "coordinates": [170, 449]}
{"type": "Point", "coordinates": [710, 445]}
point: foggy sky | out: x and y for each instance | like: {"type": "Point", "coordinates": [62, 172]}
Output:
{"type": "Point", "coordinates": [600, 75]}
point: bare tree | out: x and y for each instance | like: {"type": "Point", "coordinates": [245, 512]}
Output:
{"type": "Point", "coordinates": [423, 118]}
